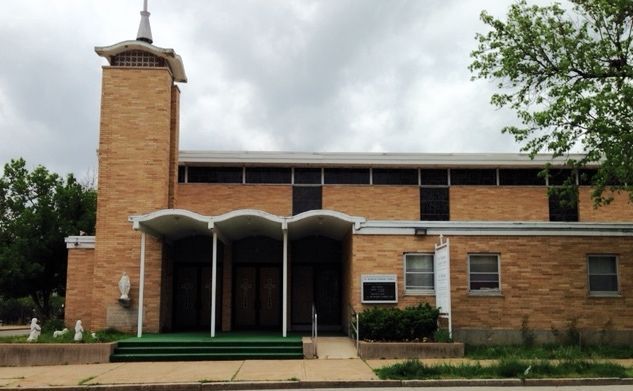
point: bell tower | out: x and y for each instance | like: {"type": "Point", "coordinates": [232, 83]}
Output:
{"type": "Point", "coordinates": [138, 162]}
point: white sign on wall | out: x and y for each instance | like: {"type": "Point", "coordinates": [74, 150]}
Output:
{"type": "Point", "coordinates": [442, 272]}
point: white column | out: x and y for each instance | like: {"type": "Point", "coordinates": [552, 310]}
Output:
{"type": "Point", "coordinates": [141, 286]}
{"type": "Point", "coordinates": [214, 278]}
{"type": "Point", "coordinates": [284, 324]}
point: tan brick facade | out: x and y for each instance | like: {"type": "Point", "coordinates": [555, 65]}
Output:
{"type": "Point", "coordinates": [374, 202]}
{"type": "Point", "coordinates": [620, 209]}
{"type": "Point", "coordinates": [215, 199]}
{"type": "Point", "coordinates": [543, 278]}
{"type": "Point", "coordinates": [80, 270]}
{"type": "Point", "coordinates": [497, 203]}
{"type": "Point", "coordinates": [134, 166]}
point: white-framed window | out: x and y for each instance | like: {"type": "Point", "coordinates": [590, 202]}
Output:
{"type": "Point", "coordinates": [418, 273]}
{"type": "Point", "coordinates": [602, 273]}
{"type": "Point", "coordinates": [483, 273]}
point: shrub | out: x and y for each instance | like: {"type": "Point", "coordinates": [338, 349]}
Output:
{"type": "Point", "coordinates": [394, 324]}
{"type": "Point", "coordinates": [16, 311]}
{"type": "Point", "coordinates": [442, 335]}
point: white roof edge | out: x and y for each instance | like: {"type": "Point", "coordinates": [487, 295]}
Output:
{"type": "Point", "coordinates": [174, 60]}
{"type": "Point", "coordinates": [80, 241]}
{"type": "Point", "coordinates": [371, 159]}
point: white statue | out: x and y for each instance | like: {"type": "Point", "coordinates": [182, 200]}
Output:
{"type": "Point", "coordinates": [60, 333]}
{"type": "Point", "coordinates": [79, 336]}
{"type": "Point", "coordinates": [124, 287]}
{"type": "Point", "coordinates": [35, 331]}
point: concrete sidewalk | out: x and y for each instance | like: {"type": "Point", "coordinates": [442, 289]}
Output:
{"type": "Point", "coordinates": [186, 372]}
{"type": "Point", "coordinates": [349, 371]}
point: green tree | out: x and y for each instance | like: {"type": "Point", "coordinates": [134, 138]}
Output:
{"type": "Point", "coordinates": [37, 210]}
{"type": "Point", "coordinates": [567, 74]}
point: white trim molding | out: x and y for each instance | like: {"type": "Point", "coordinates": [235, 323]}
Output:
{"type": "Point", "coordinates": [80, 242]}
{"type": "Point", "coordinates": [496, 228]}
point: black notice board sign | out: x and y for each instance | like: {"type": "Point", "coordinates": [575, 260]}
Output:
{"type": "Point", "coordinates": [379, 292]}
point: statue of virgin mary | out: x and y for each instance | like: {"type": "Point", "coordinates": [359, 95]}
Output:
{"type": "Point", "coordinates": [124, 287]}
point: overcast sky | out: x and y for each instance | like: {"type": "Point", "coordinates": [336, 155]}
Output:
{"type": "Point", "coordinates": [362, 75]}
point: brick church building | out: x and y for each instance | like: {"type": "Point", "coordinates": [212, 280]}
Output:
{"type": "Point", "coordinates": [222, 241]}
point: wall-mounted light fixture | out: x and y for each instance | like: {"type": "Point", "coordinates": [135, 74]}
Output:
{"type": "Point", "coordinates": [420, 232]}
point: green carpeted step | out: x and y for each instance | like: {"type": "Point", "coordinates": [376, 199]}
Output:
{"type": "Point", "coordinates": [207, 349]}
{"type": "Point", "coordinates": [198, 346]}
{"type": "Point", "coordinates": [203, 356]}
{"type": "Point", "coordinates": [206, 343]}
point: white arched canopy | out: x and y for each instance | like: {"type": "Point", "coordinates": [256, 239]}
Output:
{"type": "Point", "coordinates": [173, 224]}
{"type": "Point", "coordinates": [242, 223]}
{"type": "Point", "coordinates": [329, 223]}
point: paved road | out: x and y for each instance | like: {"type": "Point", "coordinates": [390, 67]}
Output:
{"type": "Point", "coordinates": [532, 388]}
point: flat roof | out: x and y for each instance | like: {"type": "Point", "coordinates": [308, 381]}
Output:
{"type": "Point", "coordinates": [350, 159]}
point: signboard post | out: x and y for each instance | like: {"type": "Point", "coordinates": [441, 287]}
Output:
{"type": "Point", "coordinates": [379, 288]}
{"type": "Point", "coordinates": [442, 272]}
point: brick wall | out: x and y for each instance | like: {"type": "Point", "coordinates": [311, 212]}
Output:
{"type": "Point", "coordinates": [467, 203]}
{"type": "Point", "coordinates": [491, 203]}
{"type": "Point", "coordinates": [543, 278]}
{"type": "Point", "coordinates": [79, 287]}
{"type": "Point", "coordinates": [374, 202]}
{"type": "Point", "coordinates": [134, 157]}
{"type": "Point", "coordinates": [215, 199]}
{"type": "Point", "coordinates": [174, 133]}
{"type": "Point", "coordinates": [620, 209]}
{"type": "Point", "coordinates": [378, 254]}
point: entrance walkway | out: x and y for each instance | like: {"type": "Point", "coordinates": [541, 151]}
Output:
{"type": "Point", "coordinates": [336, 348]}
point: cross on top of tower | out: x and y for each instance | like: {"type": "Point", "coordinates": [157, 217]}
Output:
{"type": "Point", "coordinates": [144, 29]}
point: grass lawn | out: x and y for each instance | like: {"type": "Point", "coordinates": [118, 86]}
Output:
{"type": "Point", "coordinates": [547, 352]}
{"type": "Point", "coordinates": [47, 337]}
{"type": "Point", "coordinates": [506, 368]}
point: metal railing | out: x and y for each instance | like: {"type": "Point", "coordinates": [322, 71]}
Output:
{"type": "Point", "coordinates": [354, 326]}
{"type": "Point", "coordinates": [315, 331]}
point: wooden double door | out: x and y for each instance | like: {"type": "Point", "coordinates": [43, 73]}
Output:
{"type": "Point", "coordinates": [192, 297]}
{"type": "Point", "coordinates": [257, 296]}
{"type": "Point", "coordinates": [318, 284]}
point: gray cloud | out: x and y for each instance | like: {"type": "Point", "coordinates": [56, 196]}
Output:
{"type": "Point", "coordinates": [362, 75]}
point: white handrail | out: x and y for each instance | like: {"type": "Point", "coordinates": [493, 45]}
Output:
{"type": "Point", "coordinates": [315, 331]}
{"type": "Point", "coordinates": [354, 325]}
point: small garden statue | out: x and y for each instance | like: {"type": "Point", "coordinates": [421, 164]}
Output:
{"type": "Point", "coordinates": [124, 288]}
{"type": "Point", "coordinates": [35, 331]}
{"type": "Point", "coordinates": [79, 330]}
{"type": "Point", "coordinates": [60, 333]}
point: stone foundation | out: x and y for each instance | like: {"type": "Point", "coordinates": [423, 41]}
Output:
{"type": "Point", "coordinates": [515, 337]}
{"type": "Point", "coordinates": [380, 350]}
{"type": "Point", "coordinates": [24, 355]}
